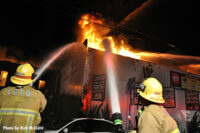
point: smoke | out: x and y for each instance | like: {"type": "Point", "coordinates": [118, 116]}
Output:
{"type": "Point", "coordinates": [72, 65]}
{"type": "Point", "coordinates": [192, 68]}
{"type": "Point", "coordinates": [186, 63]}
{"type": "Point", "coordinates": [4, 57]}
{"type": "Point", "coordinates": [69, 60]}
{"type": "Point", "coordinates": [107, 45]}
{"type": "Point", "coordinates": [14, 55]}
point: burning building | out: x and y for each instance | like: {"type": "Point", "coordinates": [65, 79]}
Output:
{"type": "Point", "coordinates": [181, 87]}
{"type": "Point", "coordinates": [84, 71]}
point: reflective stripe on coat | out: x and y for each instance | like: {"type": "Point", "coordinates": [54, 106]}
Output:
{"type": "Point", "coordinates": [20, 109]}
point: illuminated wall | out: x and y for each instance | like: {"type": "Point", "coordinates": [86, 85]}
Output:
{"type": "Point", "coordinates": [127, 68]}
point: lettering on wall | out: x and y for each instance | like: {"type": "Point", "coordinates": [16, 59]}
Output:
{"type": "Point", "coordinates": [169, 96]}
{"type": "Point", "coordinates": [192, 100]}
{"type": "Point", "coordinates": [98, 87]}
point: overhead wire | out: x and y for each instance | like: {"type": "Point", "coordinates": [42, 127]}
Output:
{"type": "Point", "coordinates": [72, 15]}
{"type": "Point", "coordinates": [103, 25]}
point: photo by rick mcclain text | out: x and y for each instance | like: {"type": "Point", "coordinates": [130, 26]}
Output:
{"type": "Point", "coordinates": [17, 128]}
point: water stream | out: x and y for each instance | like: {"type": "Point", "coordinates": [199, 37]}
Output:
{"type": "Point", "coordinates": [112, 85]}
{"type": "Point", "coordinates": [51, 59]}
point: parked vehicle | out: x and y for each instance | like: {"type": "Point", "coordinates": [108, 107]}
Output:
{"type": "Point", "coordinates": [86, 125]}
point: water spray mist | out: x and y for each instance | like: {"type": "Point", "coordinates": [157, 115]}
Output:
{"type": "Point", "coordinates": [113, 90]}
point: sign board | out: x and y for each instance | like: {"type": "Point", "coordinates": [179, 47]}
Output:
{"type": "Point", "coordinates": [98, 87]}
{"type": "Point", "coordinates": [192, 100]}
{"type": "Point", "coordinates": [169, 96]}
{"type": "Point", "coordinates": [175, 79]}
{"type": "Point", "coordinates": [191, 83]}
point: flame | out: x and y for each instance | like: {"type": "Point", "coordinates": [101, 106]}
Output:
{"type": "Point", "coordinates": [92, 29]}
{"type": "Point", "coordinates": [95, 29]}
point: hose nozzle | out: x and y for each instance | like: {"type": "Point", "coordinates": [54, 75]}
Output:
{"type": "Point", "coordinates": [117, 120]}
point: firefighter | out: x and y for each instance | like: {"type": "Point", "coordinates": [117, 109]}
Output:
{"type": "Point", "coordinates": [154, 118]}
{"type": "Point", "coordinates": [21, 104]}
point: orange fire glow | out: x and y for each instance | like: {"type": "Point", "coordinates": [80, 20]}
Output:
{"type": "Point", "coordinates": [74, 89]}
{"type": "Point", "coordinates": [92, 29]}
{"type": "Point", "coordinates": [13, 59]}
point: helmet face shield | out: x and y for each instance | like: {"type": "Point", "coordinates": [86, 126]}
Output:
{"type": "Point", "coordinates": [140, 86]}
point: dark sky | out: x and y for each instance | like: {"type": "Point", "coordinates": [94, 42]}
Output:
{"type": "Point", "coordinates": [36, 26]}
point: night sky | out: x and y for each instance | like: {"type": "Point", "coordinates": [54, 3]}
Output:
{"type": "Point", "coordinates": [36, 27]}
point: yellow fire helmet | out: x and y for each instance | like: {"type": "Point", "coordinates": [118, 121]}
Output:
{"type": "Point", "coordinates": [23, 75]}
{"type": "Point", "coordinates": [152, 90]}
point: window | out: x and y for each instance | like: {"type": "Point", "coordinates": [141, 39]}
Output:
{"type": "Point", "coordinates": [3, 78]}
{"type": "Point", "coordinates": [41, 84]}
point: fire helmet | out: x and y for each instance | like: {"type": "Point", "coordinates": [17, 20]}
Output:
{"type": "Point", "coordinates": [23, 75]}
{"type": "Point", "coordinates": [152, 90]}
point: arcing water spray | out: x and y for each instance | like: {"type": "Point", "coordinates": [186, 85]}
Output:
{"type": "Point", "coordinates": [51, 59]}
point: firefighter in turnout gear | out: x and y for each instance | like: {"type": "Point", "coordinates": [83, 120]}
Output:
{"type": "Point", "coordinates": [20, 105]}
{"type": "Point", "coordinates": [154, 118]}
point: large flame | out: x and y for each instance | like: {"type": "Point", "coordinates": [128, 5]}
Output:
{"type": "Point", "coordinates": [92, 29]}
{"type": "Point", "coordinates": [95, 29]}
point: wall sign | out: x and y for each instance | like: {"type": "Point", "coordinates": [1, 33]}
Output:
{"type": "Point", "coordinates": [169, 96]}
{"type": "Point", "coordinates": [98, 87]}
{"type": "Point", "coordinates": [189, 82]}
{"type": "Point", "coordinates": [192, 100]}
{"type": "Point", "coordinates": [175, 79]}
